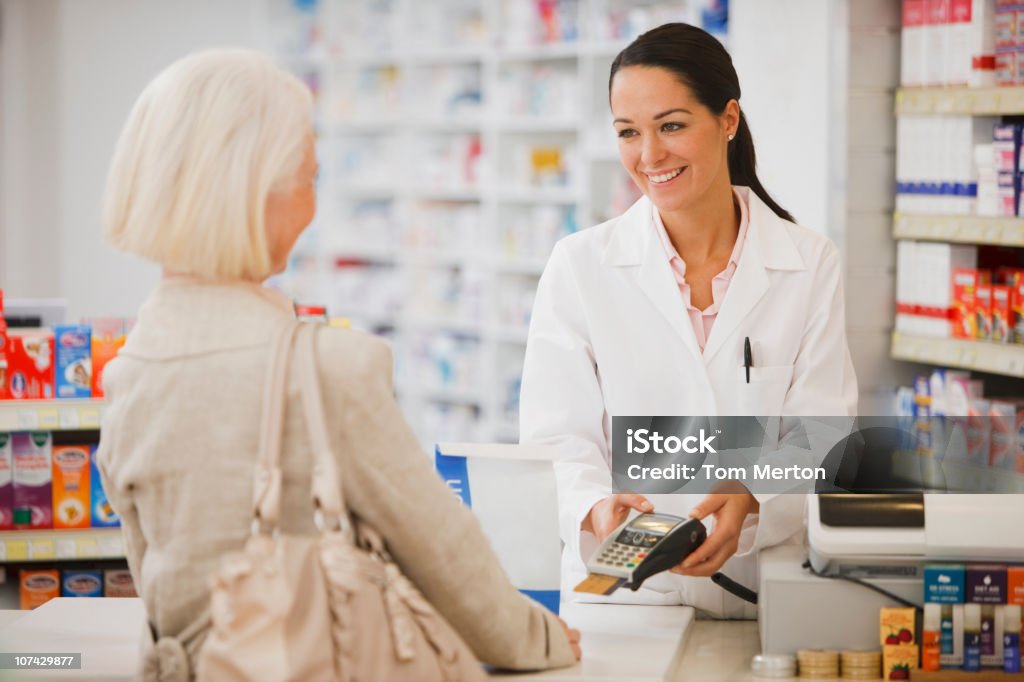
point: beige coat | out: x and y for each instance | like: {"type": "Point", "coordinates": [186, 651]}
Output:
{"type": "Point", "coordinates": [177, 455]}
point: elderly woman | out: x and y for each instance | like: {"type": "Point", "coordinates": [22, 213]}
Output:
{"type": "Point", "coordinates": [214, 179]}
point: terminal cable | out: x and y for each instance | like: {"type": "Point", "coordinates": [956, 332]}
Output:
{"type": "Point", "coordinates": [863, 583]}
{"type": "Point", "coordinates": [733, 587]}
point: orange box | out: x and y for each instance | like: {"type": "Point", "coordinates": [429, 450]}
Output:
{"type": "Point", "coordinates": [1002, 313]}
{"type": "Point", "coordinates": [983, 311]}
{"type": "Point", "coordinates": [898, 660]}
{"type": "Point", "coordinates": [1015, 585]}
{"type": "Point", "coordinates": [897, 626]}
{"type": "Point", "coordinates": [1017, 311]}
{"type": "Point", "coordinates": [107, 339]}
{"type": "Point", "coordinates": [964, 303]}
{"type": "Point", "coordinates": [71, 486]}
{"type": "Point", "coordinates": [38, 587]}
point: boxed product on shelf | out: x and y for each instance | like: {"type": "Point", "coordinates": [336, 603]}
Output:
{"type": "Point", "coordinates": [108, 335]}
{"type": "Point", "coordinates": [38, 587]}
{"type": "Point", "coordinates": [118, 582]}
{"type": "Point", "coordinates": [73, 375]}
{"type": "Point", "coordinates": [102, 514]}
{"type": "Point", "coordinates": [33, 476]}
{"type": "Point", "coordinates": [71, 490]}
{"type": "Point", "coordinates": [965, 289]}
{"type": "Point", "coordinates": [1017, 311]}
{"type": "Point", "coordinates": [4, 390]}
{"type": "Point", "coordinates": [1002, 313]}
{"type": "Point", "coordinates": [6, 482]}
{"type": "Point", "coordinates": [925, 286]}
{"type": "Point", "coordinates": [983, 311]}
{"type": "Point", "coordinates": [1003, 443]}
{"type": "Point", "coordinates": [30, 364]}
{"type": "Point", "coordinates": [979, 431]}
{"type": "Point", "coordinates": [81, 583]}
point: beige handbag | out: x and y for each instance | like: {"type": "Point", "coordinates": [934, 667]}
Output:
{"type": "Point", "coordinates": [331, 606]}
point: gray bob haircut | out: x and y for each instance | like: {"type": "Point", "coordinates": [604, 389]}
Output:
{"type": "Point", "coordinates": [208, 139]}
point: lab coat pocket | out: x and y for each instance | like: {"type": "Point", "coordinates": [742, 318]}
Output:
{"type": "Point", "coordinates": [766, 392]}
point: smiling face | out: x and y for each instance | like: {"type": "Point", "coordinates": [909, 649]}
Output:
{"type": "Point", "coordinates": [673, 147]}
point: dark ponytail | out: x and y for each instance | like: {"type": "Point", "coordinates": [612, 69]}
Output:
{"type": "Point", "coordinates": [703, 65]}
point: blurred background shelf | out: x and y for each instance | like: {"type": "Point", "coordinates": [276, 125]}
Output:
{"type": "Point", "coordinates": [56, 545]}
{"type": "Point", "coordinates": [967, 229]}
{"type": "Point", "coordinates": [50, 415]}
{"type": "Point", "coordinates": [980, 356]}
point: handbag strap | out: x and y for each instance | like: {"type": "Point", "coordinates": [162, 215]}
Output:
{"type": "Point", "coordinates": [267, 484]}
{"type": "Point", "coordinates": [328, 499]}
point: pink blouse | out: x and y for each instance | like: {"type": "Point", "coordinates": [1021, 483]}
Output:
{"type": "Point", "coordinates": [703, 320]}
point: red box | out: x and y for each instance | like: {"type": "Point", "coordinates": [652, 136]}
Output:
{"type": "Point", "coordinates": [983, 311]}
{"type": "Point", "coordinates": [965, 298]}
{"type": "Point", "coordinates": [1017, 312]}
{"type": "Point", "coordinates": [30, 362]}
{"type": "Point", "coordinates": [1002, 313]}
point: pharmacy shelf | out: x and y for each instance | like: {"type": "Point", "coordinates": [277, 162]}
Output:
{"type": "Point", "coordinates": [50, 415]}
{"type": "Point", "coordinates": [536, 124]}
{"type": "Point", "coordinates": [56, 545]}
{"type": "Point", "coordinates": [980, 356]}
{"type": "Point", "coordinates": [438, 323]}
{"type": "Point", "coordinates": [962, 101]}
{"type": "Point", "coordinates": [528, 53]}
{"type": "Point", "coordinates": [966, 229]}
{"type": "Point", "coordinates": [442, 394]}
{"type": "Point", "coordinates": [538, 195]}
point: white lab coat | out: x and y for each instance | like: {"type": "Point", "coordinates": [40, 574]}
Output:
{"type": "Point", "coordinates": [610, 336]}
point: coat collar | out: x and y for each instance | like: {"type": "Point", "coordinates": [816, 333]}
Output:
{"type": "Point", "coordinates": [183, 317]}
{"type": "Point", "coordinates": [633, 243]}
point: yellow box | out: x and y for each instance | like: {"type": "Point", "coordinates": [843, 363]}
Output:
{"type": "Point", "coordinates": [897, 626]}
{"type": "Point", "coordinates": [898, 660]}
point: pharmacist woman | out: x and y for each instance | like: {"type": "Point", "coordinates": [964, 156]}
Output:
{"type": "Point", "coordinates": [647, 314]}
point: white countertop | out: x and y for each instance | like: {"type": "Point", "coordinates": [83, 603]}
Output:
{"type": "Point", "coordinates": [619, 642]}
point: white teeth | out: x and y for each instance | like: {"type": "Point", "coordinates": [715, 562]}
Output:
{"type": "Point", "coordinates": [666, 176]}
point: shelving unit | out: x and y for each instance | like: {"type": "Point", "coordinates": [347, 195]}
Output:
{"type": "Point", "coordinates": [50, 415]}
{"type": "Point", "coordinates": [454, 154]}
{"type": "Point", "coordinates": [971, 101]}
{"type": "Point", "coordinates": [60, 545]}
{"type": "Point", "coordinates": [979, 356]}
{"type": "Point", "coordinates": [968, 229]}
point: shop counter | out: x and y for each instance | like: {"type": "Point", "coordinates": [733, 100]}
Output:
{"type": "Point", "coordinates": [619, 641]}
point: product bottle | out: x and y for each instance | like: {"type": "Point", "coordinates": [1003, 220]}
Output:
{"type": "Point", "coordinates": [946, 638]}
{"type": "Point", "coordinates": [4, 393]}
{"type": "Point", "coordinates": [930, 637]}
{"type": "Point", "coordinates": [972, 637]}
{"type": "Point", "coordinates": [1011, 638]}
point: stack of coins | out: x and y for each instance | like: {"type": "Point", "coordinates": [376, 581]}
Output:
{"type": "Point", "coordinates": [862, 665]}
{"type": "Point", "coordinates": [822, 665]}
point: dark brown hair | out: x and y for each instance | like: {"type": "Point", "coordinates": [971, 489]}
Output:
{"type": "Point", "coordinates": [702, 64]}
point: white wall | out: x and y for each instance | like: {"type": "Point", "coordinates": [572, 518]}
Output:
{"type": "Point", "coordinates": [782, 54]}
{"type": "Point", "coordinates": [71, 70]}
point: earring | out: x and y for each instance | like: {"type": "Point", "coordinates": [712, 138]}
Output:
{"type": "Point", "coordinates": [731, 136]}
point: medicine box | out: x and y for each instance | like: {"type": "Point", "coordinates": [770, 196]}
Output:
{"type": "Point", "coordinates": [6, 482]}
{"type": "Point", "coordinates": [79, 583]}
{"type": "Point", "coordinates": [117, 582]}
{"type": "Point", "coordinates": [101, 513]}
{"type": "Point", "coordinates": [71, 474]}
{"type": "Point", "coordinates": [38, 587]}
{"type": "Point", "coordinates": [30, 364]}
{"type": "Point", "coordinates": [33, 476]}
{"type": "Point", "coordinates": [73, 372]}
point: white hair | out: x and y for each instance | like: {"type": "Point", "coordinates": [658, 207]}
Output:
{"type": "Point", "coordinates": [208, 139]}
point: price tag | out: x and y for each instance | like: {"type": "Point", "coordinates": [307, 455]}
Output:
{"type": "Point", "coordinates": [49, 418]}
{"type": "Point", "coordinates": [89, 418]}
{"type": "Point", "coordinates": [69, 418]}
{"type": "Point", "coordinates": [41, 549]}
{"type": "Point", "coordinates": [110, 545]}
{"type": "Point", "coordinates": [28, 419]}
{"type": "Point", "coordinates": [88, 547]}
{"type": "Point", "coordinates": [17, 550]}
{"type": "Point", "coordinates": [66, 549]}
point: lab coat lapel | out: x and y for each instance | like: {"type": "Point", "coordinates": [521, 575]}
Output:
{"type": "Point", "coordinates": [749, 285]}
{"type": "Point", "coordinates": [654, 276]}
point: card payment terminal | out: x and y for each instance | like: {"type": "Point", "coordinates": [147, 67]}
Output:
{"type": "Point", "coordinates": [646, 545]}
